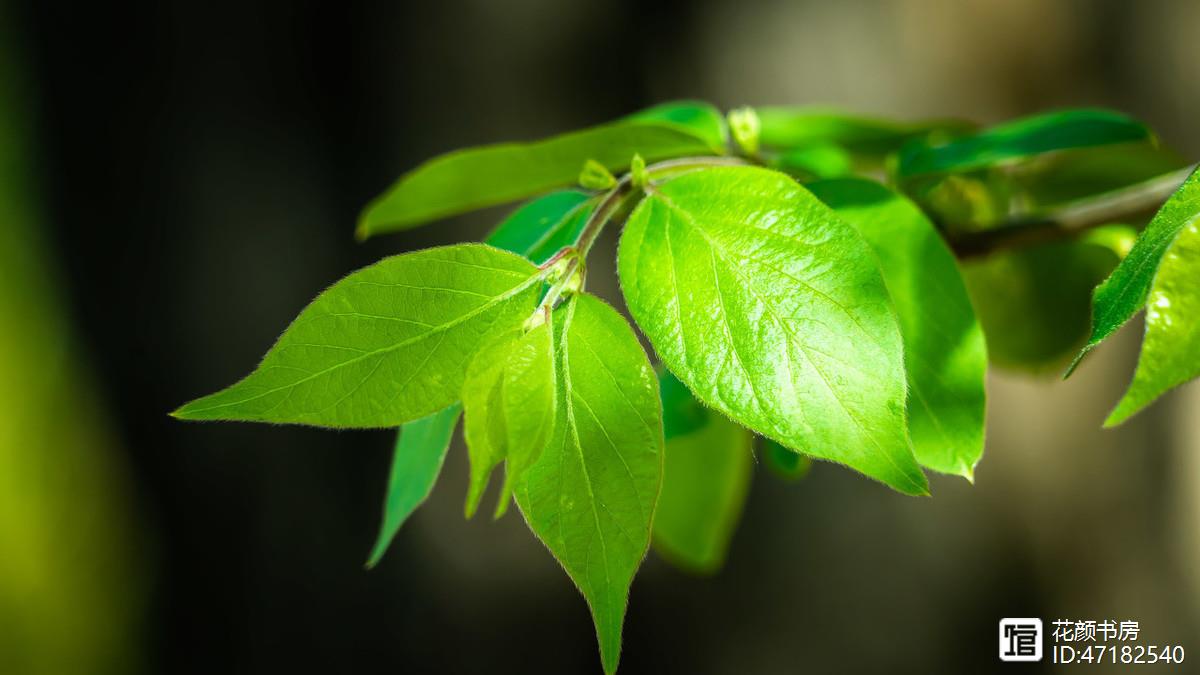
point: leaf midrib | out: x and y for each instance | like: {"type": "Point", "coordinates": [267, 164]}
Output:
{"type": "Point", "coordinates": [435, 330]}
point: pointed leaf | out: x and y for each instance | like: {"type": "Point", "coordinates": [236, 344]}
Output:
{"type": "Point", "coordinates": [1171, 348]}
{"type": "Point", "coordinates": [706, 476]}
{"type": "Point", "coordinates": [416, 463]}
{"type": "Point", "coordinates": [388, 344]}
{"type": "Point", "coordinates": [1125, 291]}
{"type": "Point", "coordinates": [466, 180]}
{"type": "Point", "coordinates": [944, 354]}
{"type": "Point", "coordinates": [773, 311]}
{"type": "Point", "coordinates": [590, 497]}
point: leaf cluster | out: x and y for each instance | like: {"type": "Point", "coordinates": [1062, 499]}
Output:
{"type": "Point", "coordinates": [816, 285]}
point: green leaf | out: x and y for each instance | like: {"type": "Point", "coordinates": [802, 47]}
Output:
{"type": "Point", "coordinates": [1171, 349]}
{"type": "Point", "coordinates": [773, 311]}
{"type": "Point", "coordinates": [539, 228]}
{"type": "Point", "coordinates": [944, 353]}
{"type": "Point", "coordinates": [698, 117]}
{"type": "Point", "coordinates": [784, 128]}
{"type": "Point", "coordinates": [706, 476]}
{"type": "Point", "coordinates": [787, 464]}
{"type": "Point", "coordinates": [420, 450]}
{"type": "Point", "coordinates": [485, 427]}
{"type": "Point", "coordinates": [530, 401]}
{"type": "Point", "coordinates": [1033, 302]}
{"type": "Point", "coordinates": [590, 497]}
{"type": "Point", "coordinates": [1159, 274]}
{"type": "Point", "coordinates": [388, 344]}
{"type": "Point", "coordinates": [1124, 293]}
{"type": "Point", "coordinates": [1019, 140]}
{"type": "Point", "coordinates": [466, 180]}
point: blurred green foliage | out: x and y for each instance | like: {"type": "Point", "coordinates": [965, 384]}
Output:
{"type": "Point", "coordinates": [69, 585]}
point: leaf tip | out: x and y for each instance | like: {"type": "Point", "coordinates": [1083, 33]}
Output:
{"type": "Point", "coordinates": [1076, 361]}
{"type": "Point", "coordinates": [362, 232]}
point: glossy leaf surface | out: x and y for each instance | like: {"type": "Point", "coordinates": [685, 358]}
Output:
{"type": "Point", "coordinates": [590, 497]}
{"type": "Point", "coordinates": [944, 353]}
{"type": "Point", "coordinates": [388, 344]}
{"type": "Point", "coordinates": [773, 311]}
{"type": "Point", "coordinates": [1125, 292]}
{"type": "Point", "coordinates": [1160, 274]}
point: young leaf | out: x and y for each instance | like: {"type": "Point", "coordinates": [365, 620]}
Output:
{"type": "Point", "coordinates": [388, 344]}
{"type": "Point", "coordinates": [416, 463]}
{"type": "Point", "coordinates": [475, 178]}
{"type": "Point", "coordinates": [773, 311]}
{"type": "Point", "coordinates": [787, 464]}
{"type": "Point", "coordinates": [483, 402]}
{"type": "Point", "coordinates": [944, 354]}
{"type": "Point", "coordinates": [706, 476]}
{"type": "Point", "coordinates": [539, 228]}
{"type": "Point", "coordinates": [529, 401]}
{"type": "Point", "coordinates": [590, 497]}
{"type": "Point", "coordinates": [1159, 274]}
{"type": "Point", "coordinates": [1020, 139]}
{"type": "Point", "coordinates": [786, 128]}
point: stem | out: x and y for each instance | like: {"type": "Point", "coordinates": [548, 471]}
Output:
{"type": "Point", "coordinates": [615, 198]}
{"type": "Point", "coordinates": [1116, 206]}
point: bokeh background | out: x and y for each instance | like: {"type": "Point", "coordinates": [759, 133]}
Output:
{"type": "Point", "coordinates": [178, 179]}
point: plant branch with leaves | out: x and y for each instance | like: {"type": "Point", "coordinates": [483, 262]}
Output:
{"type": "Point", "coordinates": [821, 285]}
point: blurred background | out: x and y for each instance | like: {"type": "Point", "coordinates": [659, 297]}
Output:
{"type": "Point", "coordinates": [177, 180]}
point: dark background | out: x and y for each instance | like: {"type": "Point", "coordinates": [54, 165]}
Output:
{"type": "Point", "coordinates": [200, 167]}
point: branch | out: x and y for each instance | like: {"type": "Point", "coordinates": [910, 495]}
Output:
{"type": "Point", "coordinates": [1118, 206]}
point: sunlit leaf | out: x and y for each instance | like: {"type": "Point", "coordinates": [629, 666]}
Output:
{"type": "Point", "coordinates": [944, 354]}
{"type": "Point", "coordinates": [388, 344]}
{"type": "Point", "coordinates": [773, 311]}
{"type": "Point", "coordinates": [1159, 274]}
{"type": "Point", "coordinates": [591, 496]}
